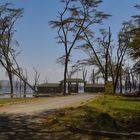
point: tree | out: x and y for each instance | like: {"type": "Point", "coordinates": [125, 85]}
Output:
{"type": "Point", "coordinates": [80, 66]}
{"type": "Point", "coordinates": [0, 85]}
{"type": "Point", "coordinates": [8, 17]}
{"type": "Point", "coordinates": [105, 56]}
{"type": "Point", "coordinates": [123, 40]}
{"type": "Point", "coordinates": [72, 71]}
{"type": "Point", "coordinates": [99, 56]}
{"type": "Point", "coordinates": [17, 71]}
{"type": "Point", "coordinates": [135, 36]}
{"type": "Point", "coordinates": [76, 17]}
{"type": "Point", "coordinates": [36, 78]}
{"type": "Point", "coordinates": [24, 83]}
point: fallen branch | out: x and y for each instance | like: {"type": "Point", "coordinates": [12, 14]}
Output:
{"type": "Point", "coordinates": [105, 133]}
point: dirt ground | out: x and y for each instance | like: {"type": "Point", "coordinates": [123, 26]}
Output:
{"type": "Point", "coordinates": [44, 104]}
{"type": "Point", "coordinates": [23, 121]}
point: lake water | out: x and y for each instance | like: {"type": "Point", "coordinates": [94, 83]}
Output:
{"type": "Point", "coordinates": [5, 92]}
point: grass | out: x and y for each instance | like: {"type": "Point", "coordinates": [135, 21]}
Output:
{"type": "Point", "coordinates": [106, 113]}
{"type": "Point", "coordinates": [10, 101]}
{"type": "Point", "coordinates": [117, 106]}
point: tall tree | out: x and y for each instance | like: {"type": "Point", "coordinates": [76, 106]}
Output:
{"type": "Point", "coordinates": [99, 56]}
{"type": "Point", "coordinates": [135, 35]}
{"type": "Point", "coordinates": [8, 17]}
{"type": "Point", "coordinates": [105, 56]}
{"type": "Point", "coordinates": [36, 78]}
{"type": "Point", "coordinates": [76, 17]}
{"type": "Point", "coordinates": [122, 47]}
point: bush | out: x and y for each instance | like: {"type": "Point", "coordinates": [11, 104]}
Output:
{"type": "Point", "coordinates": [55, 120]}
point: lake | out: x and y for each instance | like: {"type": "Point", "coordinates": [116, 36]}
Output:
{"type": "Point", "coordinates": [5, 92]}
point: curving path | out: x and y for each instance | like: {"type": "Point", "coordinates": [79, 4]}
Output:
{"type": "Point", "coordinates": [44, 104]}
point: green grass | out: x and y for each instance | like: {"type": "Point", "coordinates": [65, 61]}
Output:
{"type": "Point", "coordinates": [115, 113]}
{"type": "Point", "coordinates": [117, 106]}
{"type": "Point", "coordinates": [106, 113]}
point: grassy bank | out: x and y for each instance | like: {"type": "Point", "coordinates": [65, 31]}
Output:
{"type": "Point", "coordinates": [10, 101]}
{"type": "Point", "coordinates": [106, 113]}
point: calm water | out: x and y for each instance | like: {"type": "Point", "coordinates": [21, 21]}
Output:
{"type": "Point", "coordinates": [4, 92]}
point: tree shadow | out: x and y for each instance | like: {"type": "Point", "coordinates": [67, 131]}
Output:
{"type": "Point", "coordinates": [14, 127]}
{"type": "Point", "coordinates": [28, 127]}
{"type": "Point", "coordinates": [135, 99]}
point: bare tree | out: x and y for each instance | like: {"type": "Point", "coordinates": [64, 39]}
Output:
{"type": "Point", "coordinates": [17, 71]}
{"type": "Point", "coordinates": [84, 73]}
{"type": "Point", "coordinates": [93, 76]}
{"type": "Point", "coordinates": [46, 79]}
{"type": "Point", "coordinates": [25, 77]}
{"type": "Point", "coordinates": [36, 78]}
{"type": "Point", "coordinates": [75, 68]}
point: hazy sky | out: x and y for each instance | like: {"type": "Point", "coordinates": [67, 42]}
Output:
{"type": "Point", "coordinates": [36, 38]}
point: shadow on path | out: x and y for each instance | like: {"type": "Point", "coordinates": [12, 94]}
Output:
{"type": "Point", "coordinates": [28, 127]}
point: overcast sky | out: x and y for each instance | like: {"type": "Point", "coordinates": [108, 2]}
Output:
{"type": "Point", "coordinates": [36, 38]}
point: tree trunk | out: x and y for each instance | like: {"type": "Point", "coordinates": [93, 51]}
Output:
{"type": "Point", "coordinates": [106, 67]}
{"type": "Point", "coordinates": [93, 77]}
{"type": "Point", "coordinates": [117, 76]}
{"type": "Point", "coordinates": [120, 80]}
{"type": "Point", "coordinates": [65, 74]}
{"type": "Point", "coordinates": [25, 87]}
{"type": "Point", "coordinates": [114, 88]}
{"type": "Point", "coordinates": [20, 86]}
{"type": "Point", "coordinates": [11, 83]}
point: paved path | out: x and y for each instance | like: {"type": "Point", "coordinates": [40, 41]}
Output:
{"type": "Point", "coordinates": [44, 104]}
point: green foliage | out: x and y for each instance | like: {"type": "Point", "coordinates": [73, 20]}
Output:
{"type": "Point", "coordinates": [90, 114]}
{"type": "Point", "coordinates": [135, 43]}
{"type": "Point", "coordinates": [106, 113]}
{"type": "Point", "coordinates": [55, 120]}
{"type": "Point", "coordinates": [135, 36]}
{"type": "Point", "coordinates": [72, 23]}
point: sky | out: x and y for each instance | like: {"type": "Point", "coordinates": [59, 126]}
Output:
{"type": "Point", "coordinates": [37, 39]}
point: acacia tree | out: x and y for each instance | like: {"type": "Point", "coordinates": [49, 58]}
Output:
{"type": "Point", "coordinates": [99, 56]}
{"type": "Point", "coordinates": [134, 43]}
{"type": "Point", "coordinates": [134, 46]}
{"type": "Point", "coordinates": [122, 47]}
{"type": "Point", "coordinates": [76, 17]}
{"type": "Point", "coordinates": [105, 56]}
{"type": "Point", "coordinates": [135, 35]}
{"type": "Point", "coordinates": [8, 17]}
